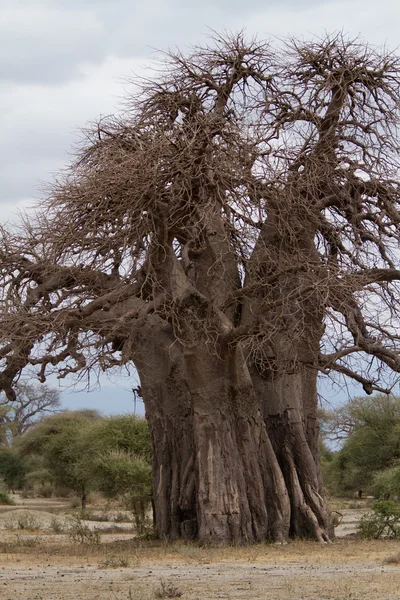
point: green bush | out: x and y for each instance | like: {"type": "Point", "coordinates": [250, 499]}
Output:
{"type": "Point", "coordinates": [369, 458]}
{"type": "Point", "coordinates": [12, 469]}
{"type": "Point", "coordinates": [387, 483]}
{"type": "Point", "coordinates": [79, 450]}
{"type": "Point", "coordinates": [56, 443]}
{"type": "Point", "coordinates": [5, 498]}
{"type": "Point", "coordinates": [128, 476]}
{"type": "Point", "coordinates": [382, 521]}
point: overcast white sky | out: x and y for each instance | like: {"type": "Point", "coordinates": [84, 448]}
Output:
{"type": "Point", "coordinates": [63, 63]}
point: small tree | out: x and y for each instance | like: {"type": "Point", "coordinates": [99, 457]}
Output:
{"type": "Point", "coordinates": [387, 482]}
{"type": "Point", "coordinates": [12, 469]}
{"type": "Point", "coordinates": [122, 474]}
{"type": "Point", "coordinates": [371, 448]}
{"type": "Point", "coordinates": [382, 521]}
{"type": "Point", "coordinates": [120, 461]}
{"type": "Point", "coordinates": [57, 439]}
{"type": "Point", "coordinates": [30, 404]}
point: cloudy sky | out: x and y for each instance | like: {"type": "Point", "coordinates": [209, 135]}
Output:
{"type": "Point", "coordinates": [65, 62]}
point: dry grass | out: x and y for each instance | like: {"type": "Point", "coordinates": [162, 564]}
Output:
{"type": "Point", "coordinates": [348, 569]}
{"type": "Point", "coordinates": [34, 564]}
{"type": "Point", "coordinates": [393, 559]}
{"type": "Point", "coordinates": [343, 551]}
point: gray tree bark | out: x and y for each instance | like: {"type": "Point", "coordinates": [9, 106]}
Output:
{"type": "Point", "coordinates": [227, 468]}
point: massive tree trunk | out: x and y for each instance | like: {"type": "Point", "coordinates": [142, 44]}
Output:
{"type": "Point", "coordinates": [241, 492]}
{"type": "Point", "coordinates": [211, 455]}
{"type": "Point", "coordinates": [283, 367]}
{"type": "Point", "coordinates": [216, 476]}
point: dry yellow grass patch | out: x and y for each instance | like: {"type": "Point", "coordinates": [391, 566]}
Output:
{"type": "Point", "coordinates": [50, 567]}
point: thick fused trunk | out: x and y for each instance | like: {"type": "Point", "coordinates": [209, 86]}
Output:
{"type": "Point", "coordinates": [235, 454]}
{"type": "Point", "coordinates": [284, 363]}
{"type": "Point", "coordinates": [216, 476]}
{"type": "Point", "coordinates": [223, 472]}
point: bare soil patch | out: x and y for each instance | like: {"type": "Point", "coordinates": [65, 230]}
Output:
{"type": "Point", "coordinates": [34, 569]}
{"type": "Point", "coordinates": [41, 565]}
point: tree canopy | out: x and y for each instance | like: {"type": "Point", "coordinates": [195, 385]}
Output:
{"type": "Point", "coordinates": [218, 144]}
{"type": "Point", "coordinates": [370, 457]}
{"type": "Point", "coordinates": [57, 440]}
{"type": "Point", "coordinates": [79, 451]}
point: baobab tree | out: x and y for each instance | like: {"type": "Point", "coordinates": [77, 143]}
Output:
{"type": "Point", "coordinates": [30, 404]}
{"type": "Point", "coordinates": [233, 234]}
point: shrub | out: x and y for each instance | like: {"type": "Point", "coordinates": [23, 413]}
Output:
{"type": "Point", "coordinates": [387, 483]}
{"type": "Point", "coordinates": [393, 559]}
{"type": "Point", "coordinates": [382, 521]}
{"type": "Point", "coordinates": [81, 533]}
{"type": "Point", "coordinates": [45, 491]}
{"type": "Point", "coordinates": [57, 526]}
{"type": "Point", "coordinates": [129, 476]}
{"type": "Point", "coordinates": [12, 469]}
{"type": "Point", "coordinates": [74, 502]}
{"type": "Point", "coordinates": [62, 492]}
{"type": "Point", "coordinates": [87, 515]}
{"type": "Point", "coordinates": [5, 498]}
{"type": "Point", "coordinates": [28, 522]}
{"type": "Point", "coordinates": [121, 517]}
{"type": "Point", "coordinates": [167, 590]}
{"type": "Point", "coordinates": [114, 563]}
{"type": "Point", "coordinates": [25, 521]}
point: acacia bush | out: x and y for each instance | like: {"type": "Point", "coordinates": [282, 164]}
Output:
{"type": "Point", "coordinates": [382, 521]}
{"type": "Point", "coordinates": [129, 476]}
{"type": "Point", "coordinates": [79, 451]}
{"type": "Point", "coordinates": [12, 469]}
{"type": "Point", "coordinates": [56, 444]}
{"type": "Point", "coordinates": [5, 498]}
{"type": "Point", "coordinates": [387, 483]}
{"type": "Point", "coordinates": [369, 430]}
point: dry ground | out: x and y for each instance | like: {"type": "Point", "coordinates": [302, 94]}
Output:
{"type": "Point", "coordinates": [42, 565]}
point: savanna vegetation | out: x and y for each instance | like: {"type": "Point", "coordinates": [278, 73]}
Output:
{"type": "Point", "coordinates": [76, 452]}
{"type": "Point", "coordinates": [368, 459]}
{"type": "Point", "coordinates": [73, 453]}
